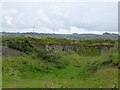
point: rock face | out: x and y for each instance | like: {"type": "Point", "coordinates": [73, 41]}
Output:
{"type": "Point", "coordinates": [102, 47]}
{"type": "Point", "coordinates": [49, 44]}
{"type": "Point", "coordinates": [71, 47]}
{"type": "Point", "coordinates": [62, 47]}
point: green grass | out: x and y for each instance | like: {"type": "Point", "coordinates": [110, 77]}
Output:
{"type": "Point", "coordinates": [0, 72]}
{"type": "Point", "coordinates": [38, 68]}
{"type": "Point", "coordinates": [26, 71]}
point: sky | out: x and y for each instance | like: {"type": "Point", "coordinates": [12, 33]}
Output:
{"type": "Point", "coordinates": [59, 17]}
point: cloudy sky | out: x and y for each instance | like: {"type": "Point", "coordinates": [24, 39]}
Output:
{"type": "Point", "coordinates": [59, 17]}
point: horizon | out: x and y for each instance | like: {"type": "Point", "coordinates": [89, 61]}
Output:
{"type": "Point", "coordinates": [63, 33]}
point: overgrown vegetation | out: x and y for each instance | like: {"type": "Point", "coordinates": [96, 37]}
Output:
{"type": "Point", "coordinates": [56, 40]}
{"type": "Point", "coordinates": [37, 67]}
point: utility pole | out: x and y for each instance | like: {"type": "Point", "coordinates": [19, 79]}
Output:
{"type": "Point", "coordinates": [33, 32]}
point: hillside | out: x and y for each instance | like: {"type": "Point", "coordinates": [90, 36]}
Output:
{"type": "Point", "coordinates": [60, 63]}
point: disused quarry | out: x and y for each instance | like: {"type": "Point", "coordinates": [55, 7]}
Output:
{"type": "Point", "coordinates": [59, 63]}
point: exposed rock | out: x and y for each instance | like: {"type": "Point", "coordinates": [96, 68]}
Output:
{"type": "Point", "coordinates": [61, 47]}
{"type": "Point", "coordinates": [74, 47]}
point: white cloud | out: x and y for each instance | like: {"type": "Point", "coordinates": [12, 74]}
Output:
{"type": "Point", "coordinates": [9, 19]}
{"type": "Point", "coordinates": [74, 29]}
{"type": "Point", "coordinates": [43, 17]}
{"type": "Point", "coordinates": [59, 1]}
{"type": "Point", "coordinates": [8, 11]}
{"type": "Point", "coordinates": [60, 17]}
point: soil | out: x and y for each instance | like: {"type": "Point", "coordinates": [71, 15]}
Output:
{"type": "Point", "coordinates": [9, 51]}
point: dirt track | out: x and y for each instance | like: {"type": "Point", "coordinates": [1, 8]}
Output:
{"type": "Point", "coordinates": [9, 51]}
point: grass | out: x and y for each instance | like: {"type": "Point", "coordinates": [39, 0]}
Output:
{"type": "Point", "coordinates": [38, 68]}
{"type": "Point", "coordinates": [80, 72]}
{"type": "Point", "coordinates": [0, 72]}
{"type": "Point", "coordinates": [0, 68]}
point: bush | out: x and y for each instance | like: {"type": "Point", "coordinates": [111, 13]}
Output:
{"type": "Point", "coordinates": [52, 57]}
{"type": "Point", "coordinates": [46, 56]}
{"type": "Point", "coordinates": [20, 44]}
{"type": "Point", "coordinates": [42, 54]}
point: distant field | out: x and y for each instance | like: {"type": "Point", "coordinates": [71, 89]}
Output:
{"type": "Point", "coordinates": [95, 65]}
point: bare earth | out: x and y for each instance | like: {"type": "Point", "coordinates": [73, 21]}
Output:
{"type": "Point", "coordinates": [9, 51]}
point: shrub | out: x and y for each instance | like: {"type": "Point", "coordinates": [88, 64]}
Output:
{"type": "Point", "coordinates": [20, 44]}
{"type": "Point", "coordinates": [43, 54]}
{"type": "Point", "coordinates": [52, 57]}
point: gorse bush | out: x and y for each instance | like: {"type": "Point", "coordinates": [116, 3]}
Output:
{"type": "Point", "coordinates": [21, 44]}
{"type": "Point", "coordinates": [24, 46]}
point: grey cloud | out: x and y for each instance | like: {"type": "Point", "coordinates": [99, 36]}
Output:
{"type": "Point", "coordinates": [61, 16]}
